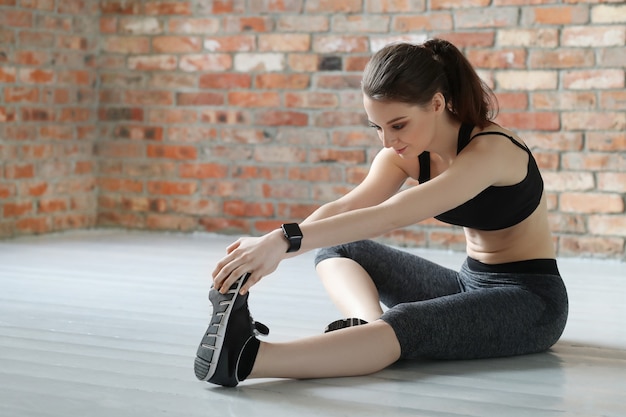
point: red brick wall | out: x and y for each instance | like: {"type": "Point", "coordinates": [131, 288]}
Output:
{"type": "Point", "coordinates": [47, 115]}
{"type": "Point", "coordinates": [234, 116]}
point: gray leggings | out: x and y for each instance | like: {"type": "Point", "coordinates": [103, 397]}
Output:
{"type": "Point", "coordinates": [480, 311]}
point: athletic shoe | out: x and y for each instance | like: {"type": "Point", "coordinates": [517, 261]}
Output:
{"type": "Point", "coordinates": [343, 323]}
{"type": "Point", "coordinates": [229, 347]}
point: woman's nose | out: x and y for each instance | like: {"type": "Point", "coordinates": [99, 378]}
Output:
{"type": "Point", "coordinates": [387, 139]}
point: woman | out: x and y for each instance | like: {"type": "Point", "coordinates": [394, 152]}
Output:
{"type": "Point", "coordinates": [432, 115]}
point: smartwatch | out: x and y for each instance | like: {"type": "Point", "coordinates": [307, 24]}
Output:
{"type": "Point", "coordinates": [293, 234]}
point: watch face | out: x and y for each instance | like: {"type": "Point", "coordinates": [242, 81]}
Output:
{"type": "Point", "coordinates": [292, 230]}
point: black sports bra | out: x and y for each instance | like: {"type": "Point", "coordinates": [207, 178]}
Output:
{"type": "Point", "coordinates": [496, 207]}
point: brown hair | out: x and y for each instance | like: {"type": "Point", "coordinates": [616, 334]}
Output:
{"type": "Point", "coordinates": [414, 73]}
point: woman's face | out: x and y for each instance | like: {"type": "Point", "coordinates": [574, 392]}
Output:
{"type": "Point", "coordinates": [407, 128]}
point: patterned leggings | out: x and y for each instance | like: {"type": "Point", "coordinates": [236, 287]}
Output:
{"type": "Point", "coordinates": [480, 311]}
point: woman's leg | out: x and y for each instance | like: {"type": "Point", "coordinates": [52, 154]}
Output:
{"type": "Point", "coordinates": [352, 351]}
{"type": "Point", "coordinates": [359, 275]}
{"type": "Point", "coordinates": [350, 288]}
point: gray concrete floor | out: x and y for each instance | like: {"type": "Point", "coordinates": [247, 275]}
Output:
{"type": "Point", "coordinates": [106, 323]}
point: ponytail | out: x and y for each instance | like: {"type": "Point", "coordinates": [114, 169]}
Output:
{"type": "Point", "coordinates": [415, 73]}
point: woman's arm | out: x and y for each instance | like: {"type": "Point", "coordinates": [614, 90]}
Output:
{"type": "Point", "coordinates": [482, 163]}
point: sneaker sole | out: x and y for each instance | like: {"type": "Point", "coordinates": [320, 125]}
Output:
{"type": "Point", "coordinates": [210, 347]}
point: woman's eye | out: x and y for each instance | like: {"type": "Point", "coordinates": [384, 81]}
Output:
{"type": "Point", "coordinates": [375, 127]}
{"type": "Point", "coordinates": [397, 127]}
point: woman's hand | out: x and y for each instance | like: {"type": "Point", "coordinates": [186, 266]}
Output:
{"type": "Point", "coordinates": [259, 256]}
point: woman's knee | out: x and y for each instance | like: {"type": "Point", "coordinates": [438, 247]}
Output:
{"type": "Point", "coordinates": [350, 250]}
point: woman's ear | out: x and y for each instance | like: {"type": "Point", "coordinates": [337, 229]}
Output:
{"type": "Point", "coordinates": [439, 103]}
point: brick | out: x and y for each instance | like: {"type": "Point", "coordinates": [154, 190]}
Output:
{"type": "Point", "coordinates": [108, 25]}
{"type": "Point", "coordinates": [333, 6]}
{"type": "Point", "coordinates": [121, 113]}
{"type": "Point", "coordinates": [199, 99]}
{"type": "Point", "coordinates": [567, 223]}
{"type": "Point", "coordinates": [171, 188]}
{"type": "Point", "coordinates": [33, 225]}
{"type": "Point", "coordinates": [527, 80]}
{"type": "Point", "coordinates": [201, 171]}
{"type": "Point", "coordinates": [140, 132]}
{"type": "Point", "coordinates": [507, 58]}
{"type": "Point", "coordinates": [170, 222]}
{"type": "Point", "coordinates": [179, 152]}
{"type": "Point", "coordinates": [585, 246]}
{"type": "Point", "coordinates": [592, 161]}
{"type": "Point", "coordinates": [282, 154]}
{"type": "Point", "coordinates": [47, 5]}
{"type": "Point", "coordinates": [167, 116]}
{"type": "Point", "coordinates": [281, 118]}
{"type": "Point", "coordinates": [338, 156]}
{"type": "Point", "coordinates": [606, 141]}
{"type": "Point", "coordinates": [512, 100]}
{"type": "Point", "coordinates": [593, 79]}
{"type": "Point", "coordinates": [536, 37]}
{"type": "Point", "coordinates": [161, 8]}
{"type": "Point", "coordinates": [14, 171]}
{"type": "Point", "coordinates": [34, 58]}
{"type": "Point", "coordinates": [432, 21]}
{"type": "Point", "coordinates": [607, 225]}
{"type": "Point", "coordinates": [29, 39]}
{"type": "Point", "coordinates": [485, 18]}
{"type": "Point", "coordinates": [16, 209]}
{"type": "Point", "coordinates": [307, 24]}
{"type": "Point", "coordinates": [172, 80]}
{"type": "Point", "coordinates": [51, 206]}
{"type": "Point", "coordinates": [119, 150]}
{"type": "Point", "coordinates": [315, 174]}
{"type": "Point", "coordinates": [176, 44]}
{"type": "Point", "coordinates": [284, 43]}
{"type": "Point", "coordinates": [311, 100]}
{"type": "Point", "coordinates": [126, 44]}
{"type": "Point", "coordinates": [555, 15]}
{"type": "Point", "coordinates": [591, 203]}
{"type": "Point", "coordinates": [339, 82]}
{"type": "Point", "coordinates": [233, 43]}
{"type": "Point", "coordinates": [266, 62]}
{"type": "Point", "coordinates": [303, 62]}
{"type": "Point", "coordinates": [120, 185]}
{"type": "Point", "coordinates": [564, 100]}
{"type": "Point", "coordinates": [36, 76]}
{"type": "Point", "coordinates": [462, 39]}
{"type": "Point", "coordinates": [77, 115]}
{"type": "Point", "coordinates": [7, 115]}
{"type": "Point", "coordinates": [593, 36]}
{"type": "Point", "coordinates": [153, 62]}
{"type": "Point", "coordinates": [192, 26]}
{"type": "Point", "coordinates": [452, 4]}
{"type": "Point", "coordinates": [608, 13]}
{"type": "Point", "coordinates": [193, 134]}
{"type": "Point", "coordinates": [16, 18]}
{"type": "Point", "coordinates": [340, 118]}
{"type": "Point", "coordinates": [221, 225]}
{"type": "Point", "coordinates": [568, 181]}
{"type": "Point", "coordinates": [225, 81]}
{"type": "Point", "coordinates": [195, 207]}
{"type": "Point", "coordinates": [281, 81]}
{"type": "Point", "coordinates": [360, 23]}
{"type": "Point", "coordinates": [59, 132]}
{"type": "Point", "coordinates": [336, 43]}
{"type": "Point", "coordinates": [562, 58]}
{"type": "Point", "coordinates": [148, 97]}
{"type": "Point", "coordinates": [21, 95]}
{"type": "Point", "coordinates": [225, 116]}
{"type": "Point", "coordinates": [593, 120]}
{"type": "Point", "coordinates": [530, 120]}
{"type": "Point", "coordinates": [7, 191]}
{"type": "Point", "coordinates": [238, 208]}
{"type": "Point", "coordinates": [238, 24]}
{"type": "Point", "coordinates": [613, 100]}
{"type": "Point", "coordinates": [612, 181]}
{"type": "Point", "coordinates": [206, 62]}
{"type": "Point", "coordinates": [253, 99]}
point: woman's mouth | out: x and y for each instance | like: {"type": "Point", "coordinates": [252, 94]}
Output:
{"type": "Point", "coordinates": [401, 150]}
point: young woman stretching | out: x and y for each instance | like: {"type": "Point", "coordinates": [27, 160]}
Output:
{"type": "Point", "coordinates": [432, 115]}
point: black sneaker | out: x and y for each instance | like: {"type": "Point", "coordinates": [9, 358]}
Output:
{"type": "Point", "coordinates": [228, 348]}
{"type": "Point", "coordinates": [343, 323]}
